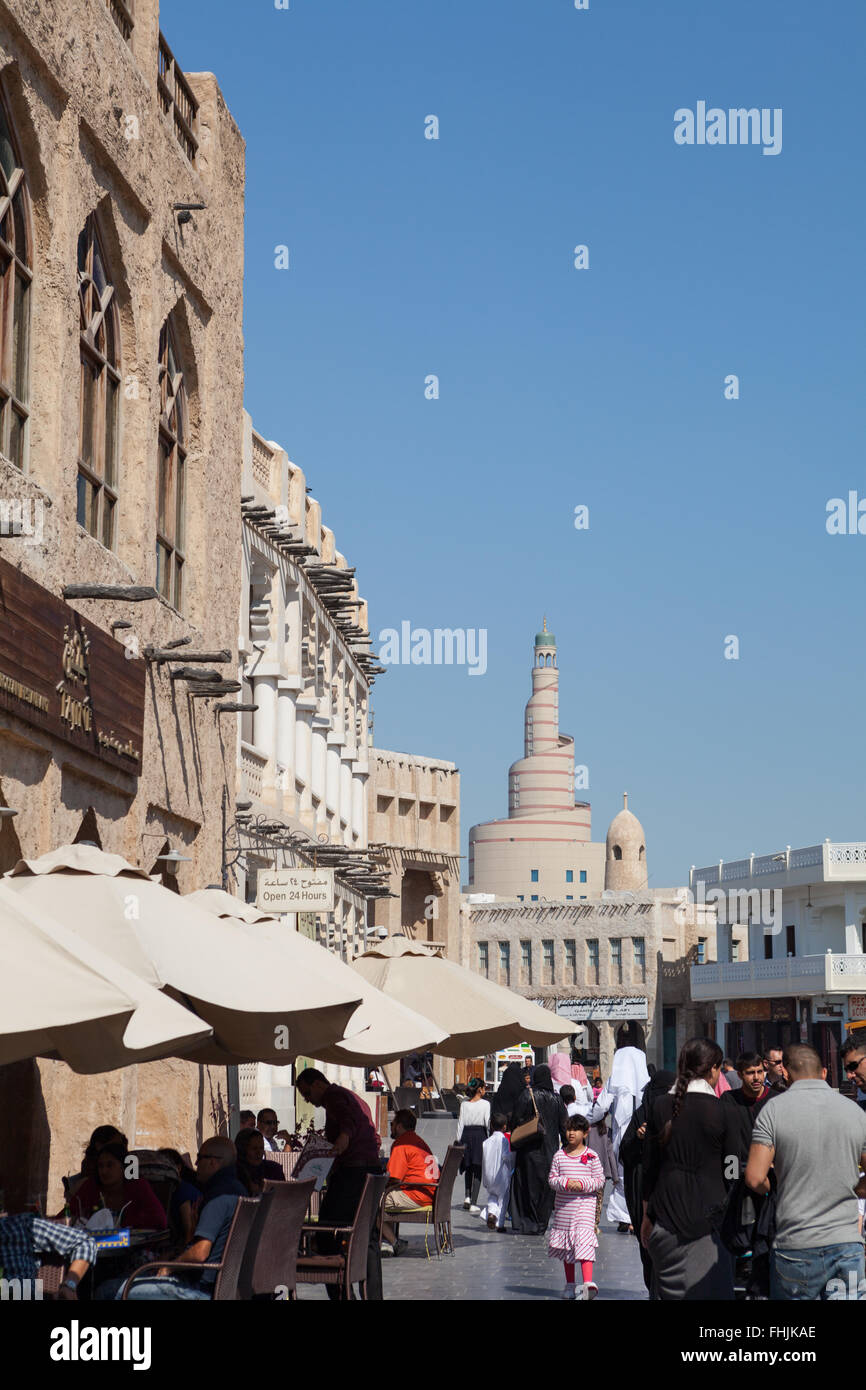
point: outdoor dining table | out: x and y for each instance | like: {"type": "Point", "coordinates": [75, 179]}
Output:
{"type": "Point", "coordinates": [138, 1240]}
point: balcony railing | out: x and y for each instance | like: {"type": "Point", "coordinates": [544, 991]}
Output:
{"type": "Point", "coordinates": [263, 457]}
{"type": "Point", "coordinates": [121, 13]}
{"type": "Point", "coordinates": [253, 764]}
{"type": "Point", "coordinates": [177, 101]}
{"type": "Point", "coordinates": [831, 861]}
{"type": "Point", "coordinates": [792, 975]}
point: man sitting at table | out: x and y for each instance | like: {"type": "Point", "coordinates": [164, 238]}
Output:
{"type": "Point", "coordinates": [411, 1161]}
{"type": "Point", "coordinates": [24, 1235]}
{"type": "Point", "coordinates": [221, 1187]}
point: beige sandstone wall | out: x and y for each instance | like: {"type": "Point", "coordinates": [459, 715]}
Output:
{"type": "Point", "coordinates": [70, 83]}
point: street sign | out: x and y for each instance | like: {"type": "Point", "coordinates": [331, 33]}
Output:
{"type": "Point", "coordinates": [295, 890]}
{"type": "Point", "coordinates": [607, 1008]}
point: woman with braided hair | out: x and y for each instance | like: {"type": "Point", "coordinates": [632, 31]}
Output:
{"type": "Point", "coordinates": [691, 1145]}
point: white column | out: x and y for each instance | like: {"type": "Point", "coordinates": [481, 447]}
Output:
{"type": "Point", "coordinates": [319, 752]}
{"type": "Point", "coordinates": [332, 780]}
{"type": "Point", "coordinates": [359, 807]}
{"type": "Point", "coordinates": [346, 797]}
{"type": "Point", "coordinates": [303, 757]}
{"type": "Point", "coordinates": [852, 933]}
{"type": "Point", "coordinates": [286, 730]}
{"type": "Point", "coordinates": [265, 726]}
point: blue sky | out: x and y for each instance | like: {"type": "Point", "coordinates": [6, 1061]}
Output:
{"type": "Point", "coordinates": [560, 387]}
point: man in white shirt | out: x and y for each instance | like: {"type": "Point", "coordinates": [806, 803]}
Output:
{"type": "Point", "coordinates": [267, 1124]}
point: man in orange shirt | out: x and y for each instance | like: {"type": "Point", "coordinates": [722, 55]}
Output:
{"type": "Point", "coordinates": [411, 1162]}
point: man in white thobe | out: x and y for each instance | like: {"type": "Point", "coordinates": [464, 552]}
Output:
{"type": "Point", "coordinates": [497, 1166]}
{"type": "Point", "coordinates": [628, 1077]}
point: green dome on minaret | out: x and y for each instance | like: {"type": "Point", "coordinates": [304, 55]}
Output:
{"type": "Point", "coordinates": [545, 638]}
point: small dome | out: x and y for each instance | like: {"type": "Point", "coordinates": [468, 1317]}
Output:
{"type": "Point", "coordinates": [625, 853]}
{"type": "Point", "coordinates": [545, 638]}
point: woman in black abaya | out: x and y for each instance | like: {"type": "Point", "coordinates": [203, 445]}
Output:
{"type": "Point", "coordinates": [631, 1152]}
{"type": "Point", "coordinates": [531, 1195]}
{"type": "Point", "coordinates": [511, 1087]}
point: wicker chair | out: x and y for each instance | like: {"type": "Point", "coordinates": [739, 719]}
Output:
{"type": "Point", "coordinates": [439, 1211]}
{"type": "Point", "coordinates": [407, 1098]}
{"type": "Point", "coordinates": [51, 1276]}
{"type": "Point", "coordinates": [452, 1102]}
{"type": "Point", "coordinates": [239, 1245]}
{"type": "Point", "coordinates": [288, 1159]}
{"type": "Point", "coordinates": [271, 1257]}
{"type": "Point", "coordinates": [350, 1266]}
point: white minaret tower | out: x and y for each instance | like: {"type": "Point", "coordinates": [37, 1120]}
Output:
{"type": "Point", "coordinates": [543, 779]}
{"type": "Point", "coordinates": [543, 850]}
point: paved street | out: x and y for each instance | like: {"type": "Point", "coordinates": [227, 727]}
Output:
{"type": "Point", "coordinates": [491, 1266]}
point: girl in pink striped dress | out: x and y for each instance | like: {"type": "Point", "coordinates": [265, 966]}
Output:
{"type": "Point", "coordinates": [576, 1175]}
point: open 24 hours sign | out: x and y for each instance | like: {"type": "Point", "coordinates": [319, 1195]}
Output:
{"type": "Point", "coordinates": [295, 890]}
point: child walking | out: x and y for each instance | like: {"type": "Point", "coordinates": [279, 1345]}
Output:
{"type": "Point", "coordinates": [576, 1175]}
{"type": "Point", "coordinates": [497, 1166]}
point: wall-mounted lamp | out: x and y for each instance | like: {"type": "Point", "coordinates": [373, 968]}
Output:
{"type": "Point", "coordinates": [185, 211]}
{"type": "Point", "coordinates": [172, 859]}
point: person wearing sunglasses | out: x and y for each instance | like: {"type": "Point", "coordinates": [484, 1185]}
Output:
{"type": "Point", "coordinates": [221, 1188]}
{"type": "Point", "coordinates": [853, 1057]}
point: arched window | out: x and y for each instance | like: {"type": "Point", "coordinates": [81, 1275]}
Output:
{"type": "Point", "coordinates": [16, 259]}
{"type": "Point", "coordinates": [641, 852]}
{"type": "Point", "coordinates": [617, 852]}
{"type": "Point", "coordinates": [171, 479]}
{"type": "Point", "coordinates": [99, 405]}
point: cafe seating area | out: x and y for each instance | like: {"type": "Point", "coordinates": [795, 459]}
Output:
{"type": "Point", "coordinates": [274, 1242]}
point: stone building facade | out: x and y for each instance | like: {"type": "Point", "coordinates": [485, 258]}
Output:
{"type": "Point", "coordinates": [596, 963]}
{"type": "Point", "coordinates": [303, 758]}
{"type": "Point", "coordinates": [619, 966]}
{"type": "Point", "coordinates": [414, 819]}
{"type": "Point", "coordinates": [790, 958]}
{"type": "Point", "coordinates": [121, 383]}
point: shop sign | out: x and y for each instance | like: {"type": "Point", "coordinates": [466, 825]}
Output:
{"type": "Point", "coordinates": [856, 1007]}
{"type": "Point", "coordinates": [66, 676]}
{"type": "Point", "coordinates": [749, 1010]}
{"type": "Point", "coordinates": [295, 890]}
{"type": "Point", "coordinates": [827, 1009]}
{"type": "Point", "coordinates": [603, 1009]}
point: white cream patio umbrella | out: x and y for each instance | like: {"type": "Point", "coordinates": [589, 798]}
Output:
{"type": "Point", "coordinates": [478, 1016]}
{"type": "Point", "coordinates": [64, 999]}
{"type": "Point", "coordinates": [380, 1030]}
{"type": "Point", "coordinates": [228, 973]}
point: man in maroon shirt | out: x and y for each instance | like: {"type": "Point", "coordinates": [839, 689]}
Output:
{"type": "Point", "coordinates": [355, 1147]}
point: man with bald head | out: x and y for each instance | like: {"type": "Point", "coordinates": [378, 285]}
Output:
{"type": "Point", "coordinates": [815, 1140]}
{"type": "Point", "coordinates": [221, 1187]}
